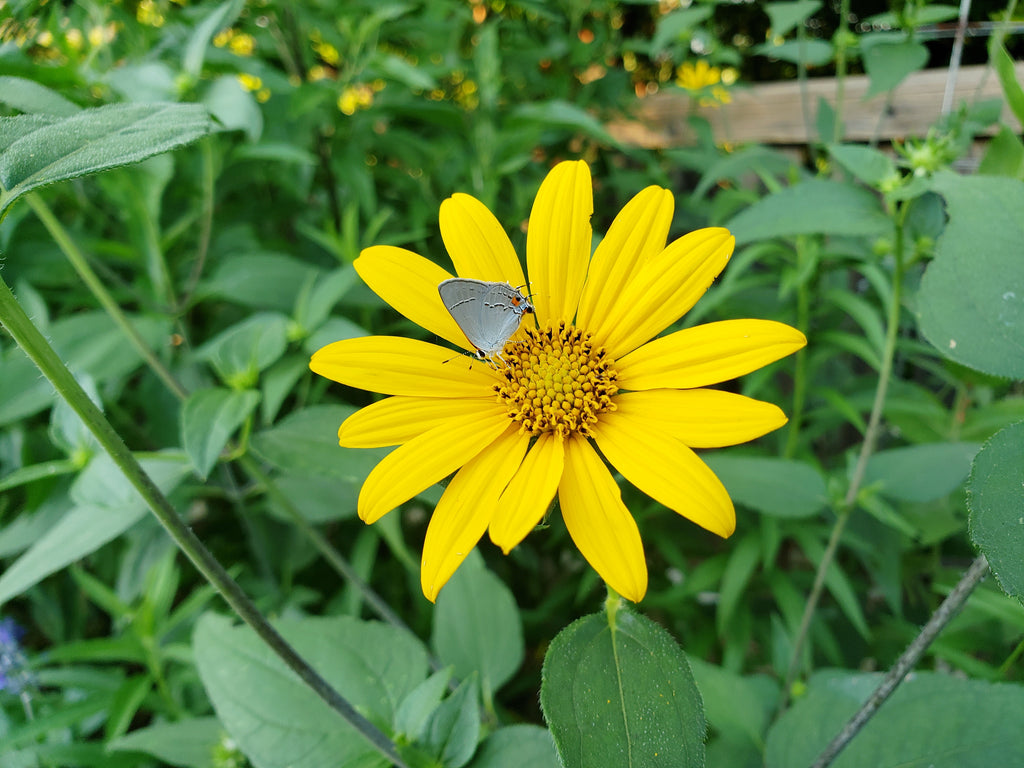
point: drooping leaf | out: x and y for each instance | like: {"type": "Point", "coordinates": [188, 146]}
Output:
{"type": "Point", "coordinates": [785, 16]}
{"type": "Point", "coordinates": [34, 98]}
{"type": "Point", "coordinates": [617, 691]}
{"type": "Point", "coordinates": [996, 500]}
{"type": "Point", "coordinates": [888, 63]}
{"type": "Point", "coordinates": [185, 743]}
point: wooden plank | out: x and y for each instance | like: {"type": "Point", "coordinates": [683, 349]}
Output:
{"type": "Point", "coordinates": [771, 113]}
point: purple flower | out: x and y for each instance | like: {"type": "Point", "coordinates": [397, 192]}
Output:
{"type": "Point", "coordinates": [14, 673]}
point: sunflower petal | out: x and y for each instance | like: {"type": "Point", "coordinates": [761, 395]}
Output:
{"type": "Point", "coordinates": [599, 523]}
{"type": "Point", "coordinates": [396, 420]}
{"type": "Point", "coordinates": [477, 243]}
{"type": "Point", "coordinates": [663, 289]}
{"type": "Point", "coordinates": [667, 471]}
{"type": "Point", "coordinates": [637, 234]}
{"type": "Point", "coordinates": [466, 508]}
{"type": "Point", "coordinates": [558, 241]}
{"type": "Point", "coordinates": [529, 493]}
{"type": "Point", "coordinates": [701, 418]}
{"type": "Point", "coordinates": [408, 282]}
{"type": "Point", "coordinates": [707, 354]}
{"type": "Point", "coordinates": [418, 464]}
{"type": "Point", "coordinates": [396, 366]}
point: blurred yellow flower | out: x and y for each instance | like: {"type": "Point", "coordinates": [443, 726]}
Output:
{"type": "Point", "coordinates": [148, 13]}
{"type": "Point", "coordinates": [355, 97]}
{"type": "Point", "coordinates": [242, 44]}
{"type": "Point", "coordinates": [584, 374]}
{"type": "Point", "coordinates": [223, 37]}
{"type": "Point", "coordinates": [328, 53]}
{"type": "Point", "coordinates": [75, 39]}
{"type": "Point", "coordinates": [697, 77]}
{"type": "Point", "coordinates": [250, 82]}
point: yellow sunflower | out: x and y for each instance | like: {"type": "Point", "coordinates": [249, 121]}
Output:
{"type": "Point", "coordinates": [584, 374]}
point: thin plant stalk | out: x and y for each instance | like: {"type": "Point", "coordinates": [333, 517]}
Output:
{"type": "Point", "coordinates": [907, 661]}
{"type": "Point", "coordinates": [866, 449]}
{"type": "Point", "coordinates": [28, 337]}
{"type": "Point", "coordinates": [841, 38]}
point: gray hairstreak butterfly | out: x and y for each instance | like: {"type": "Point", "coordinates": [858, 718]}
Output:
{"type": "Point", "coordinates": [488, 313]}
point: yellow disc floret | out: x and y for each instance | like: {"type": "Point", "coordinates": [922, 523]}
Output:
{"type": "Point", "coordinates": [556, 381]}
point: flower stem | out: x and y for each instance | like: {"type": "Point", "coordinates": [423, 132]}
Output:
{"type": "Point", "coordinates": [907, 661]}
{"type": "Point", "coordinates": [841, 43]}
{"type": "Point", "coordinates": [28, 337]}
{"type": "Point", "coordinates": [866, 449]}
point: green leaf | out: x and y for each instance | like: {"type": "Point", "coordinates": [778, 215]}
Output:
{"type": "Point", "coordinates": [562, 114]}
{"type": "Point", "coordinates": [1007, 72]}
{"type": "Point", "coordinates": [517, 746]}
{"type": "Point", "coordinates": [306, 445]}
{"type": "Point", "coordinates": [415, 709]}
{"type": "Point", "coordinates": [813, 53]}
{"type": "Point", "coordinates": [921, 472]}
{"type": "Point", "coordinates": [261, 280]}
{"type": "Point", "coordinates": [397, 68]}
{"type": "Point", "coordinates": [971, 301]}
{"type": "Point", "coordinates": [675, 26]}
{"type": "Point", "coordinates": [91, 141]}
{"type": "Point", "coordinates": [888, 63]}
{"type": "Point", "coordinates": [477, 626]}
{"type": "Point", "coordinates": [783, 17]}
{"type": "Point", "coordinates": [248, 347]}
{"type": "Point", "coordinates": [865, 163]}
{"type": "Point", "coordinates": [275, 718]}
{"type": "Point", "coordinates": [777, 487]}
{"type": "Point", "coordinates": [816, 206]}
{"type": "Point", "coordinates": [106, 505]}
{"type": "Point", "coordinates": [234, 107]}
{"type": "Point", "coordinates": [995, 496]}
{"type": "Point", "coordinates": [208, 420]}
{"type": "Point", "coordinates": [1004, 155]}
{"type": "Point", "coordinates": [743, 560]}
{"type": "Point", "coordinates": [29, 96]}
{"type": "Point", "coordinates": [616, 691]}
{"type": "Point", "coordinates": [195, 50]}
{"type": "Point", "coordinates": [911, 730]}
{"type": "Point", "coordinates": [735, 705]}
{"type": "Point", "coordinates": [89, 343]}
{"type": "Point", "coordinates": [454, 727]}
{"type": "Point", "coordinates": [185, 743]}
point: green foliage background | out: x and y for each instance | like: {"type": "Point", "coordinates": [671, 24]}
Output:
{"type": "Point", "coordinates": [306, 132]}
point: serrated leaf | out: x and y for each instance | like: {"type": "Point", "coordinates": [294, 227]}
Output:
{"type": "Point", "coordinates": [976, 726]}
{"type": "Point", "coordinates": [971, 300]}
{"type": "Point", "coordinates": [277, 721]}
{"type": "Point", "coordinates": [816, 206]}
{"type": "Point", "coordinates": [106, 505]}
{"type": "Point", "coordinates": [617, 691]}
{"type": "Point", "coordinates": [477, 626]}
{"type": "Point", "coordinates": [777, 487]}
{"type": "Point", "coordinates": [95, 140]}
{"type": "Point", "coordinates": [995, 496]}
{"type": "Point", "coordinates": [208, 420]}
{"type": "Point", "coordinates": [921, 472]}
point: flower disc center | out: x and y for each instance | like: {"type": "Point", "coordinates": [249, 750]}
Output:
{"type": "Point", "coordinates": [557, 381]}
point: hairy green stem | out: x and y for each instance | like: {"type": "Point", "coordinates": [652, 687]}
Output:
{"type": "Point", "coordinates": [28, 337]}
{"type": "Point", "coordinates": [907, 661]}
{"type": "Point", "coordinates": [866, 449]}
